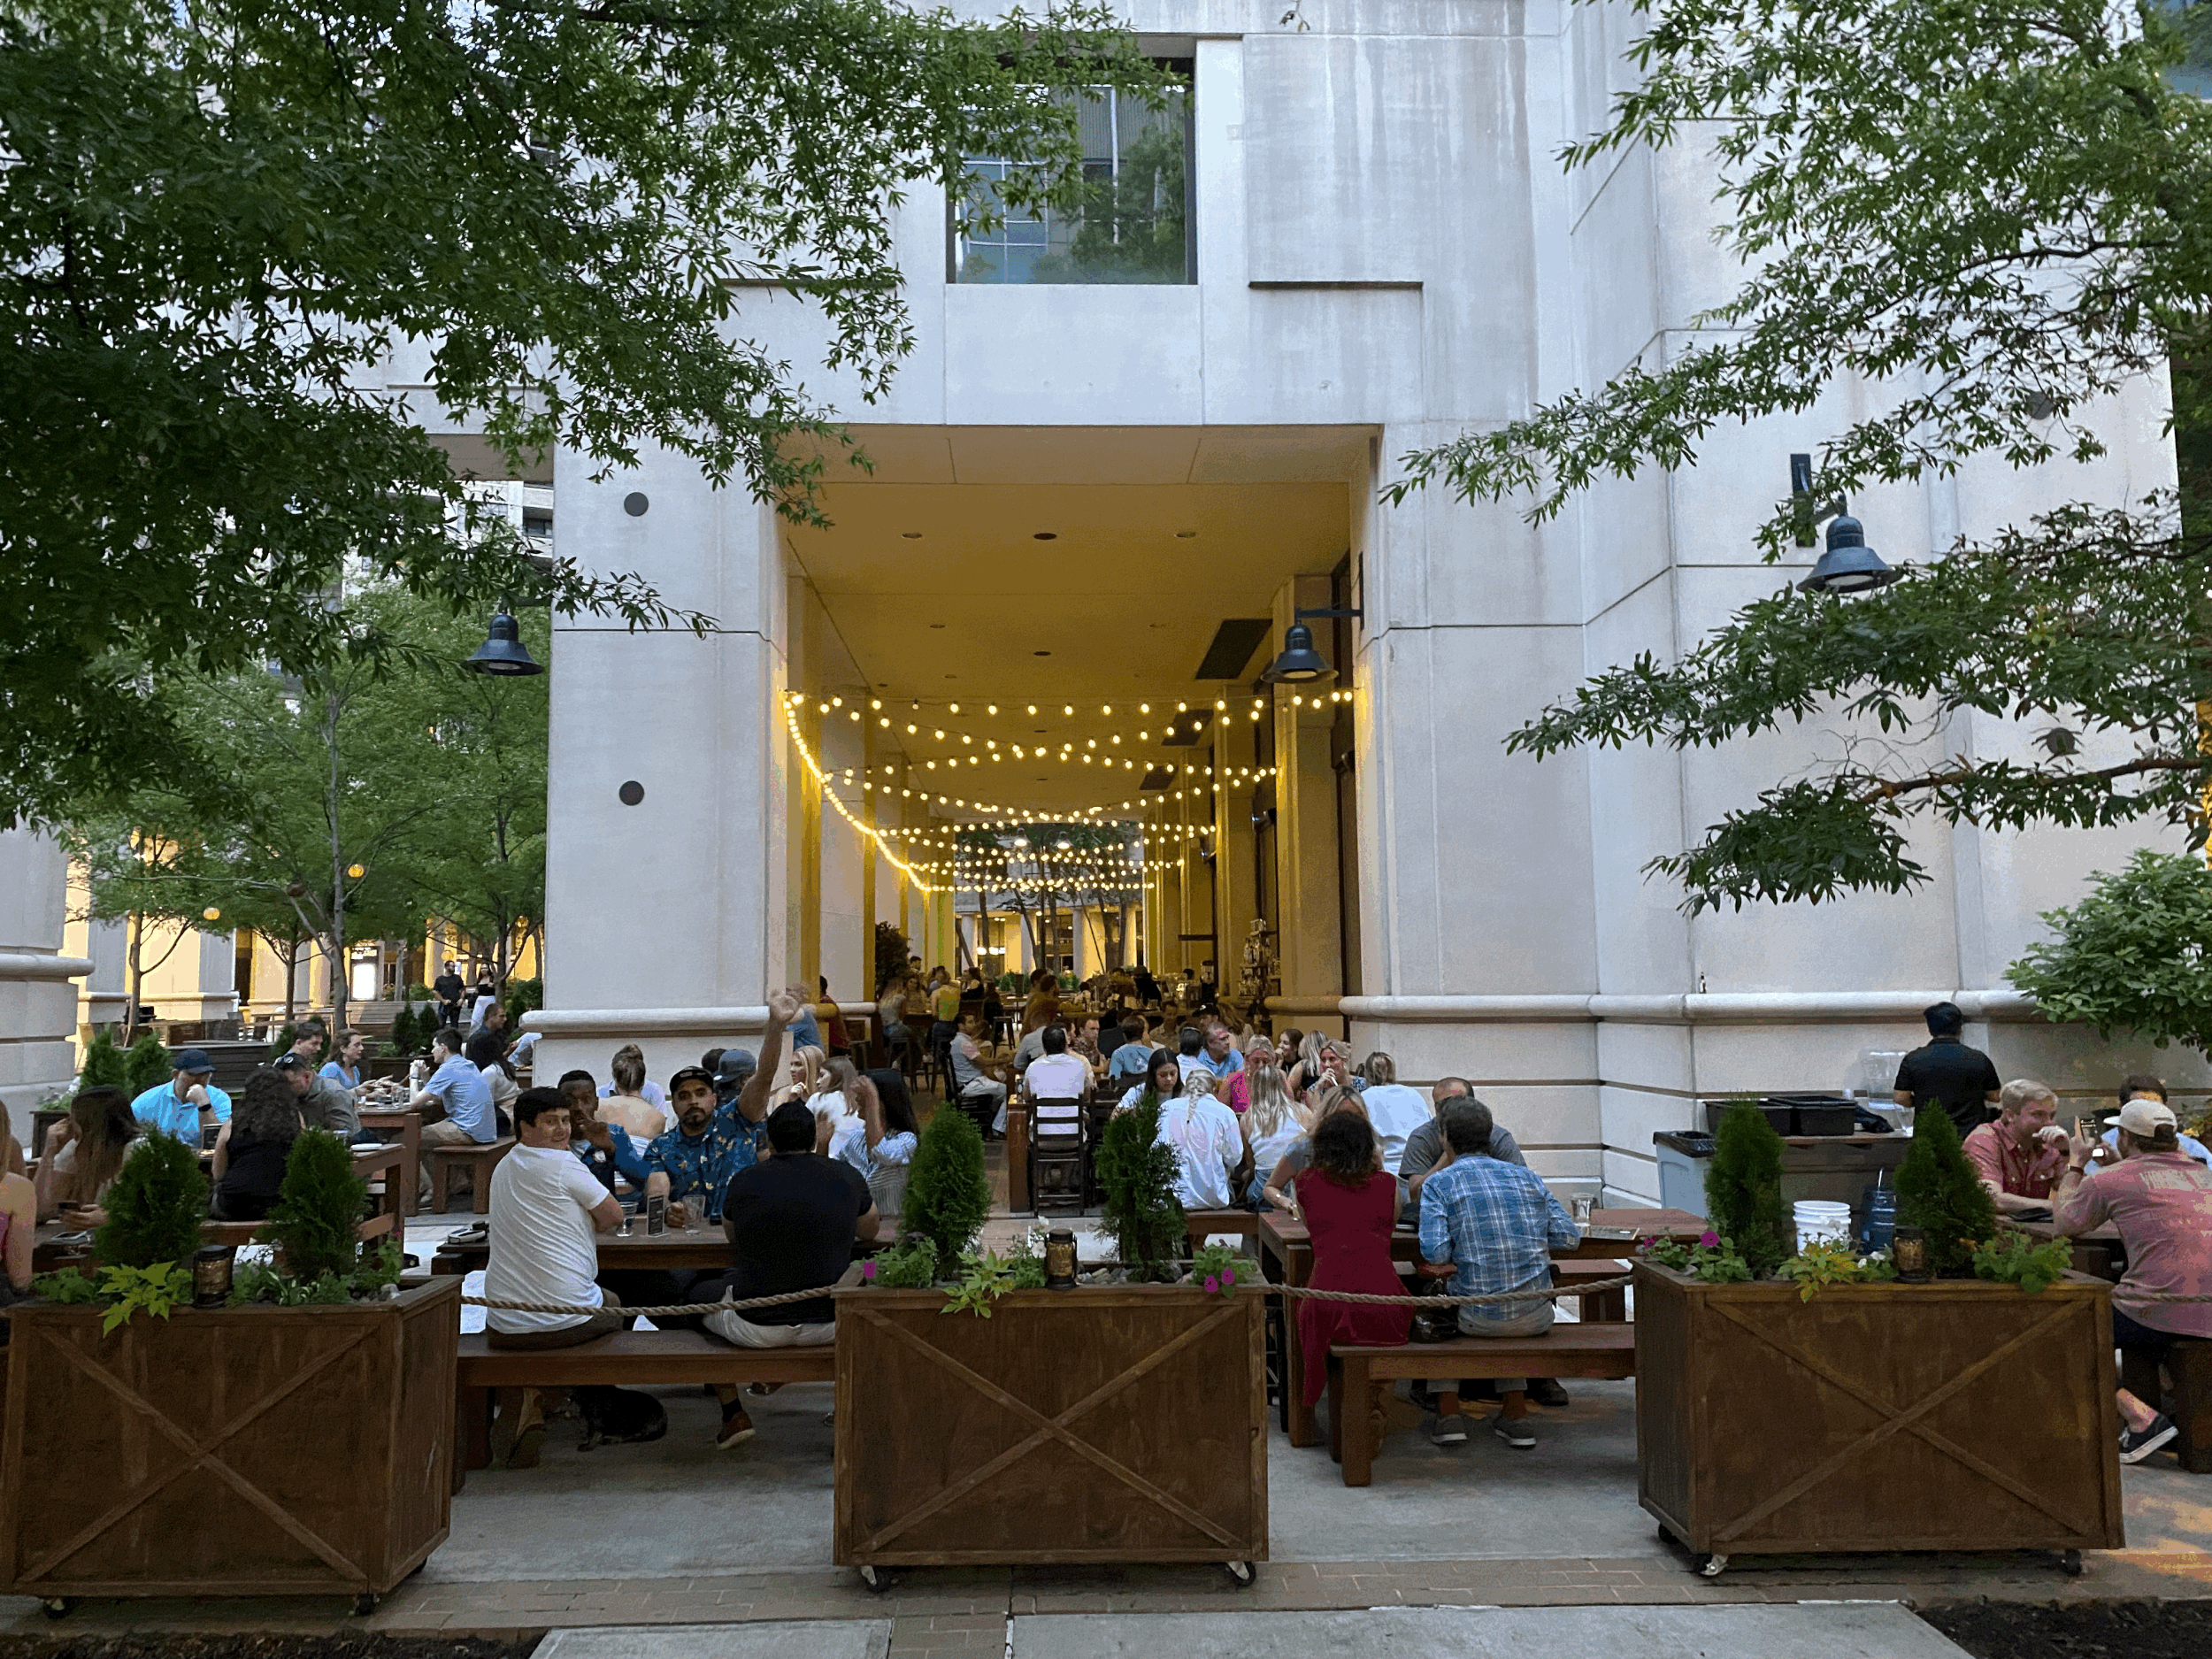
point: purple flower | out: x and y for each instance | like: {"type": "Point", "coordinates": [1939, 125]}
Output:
{"type": "Point", "coordinates": [1228, 1275]}
{"type": "Point", "coordinates": [1213, 1288]}
{"type": "Point", "coordinates": [1709, 1238]}
{"type": "Point", "coordinates": [867, 1271]}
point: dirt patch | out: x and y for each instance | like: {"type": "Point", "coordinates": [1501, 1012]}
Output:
{"type": "Point", "coordinates": [262, 1646]}
{"type": "Point", "coordinates": [2093, 1630]}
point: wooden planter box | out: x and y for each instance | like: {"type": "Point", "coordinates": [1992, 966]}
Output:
{"type": "Point", "coordinates": [1093, 1424]}
{"type": "Point", "coordinates": [1954, 1415]}
{"type": "Point", "coordinates": [245, 1451]}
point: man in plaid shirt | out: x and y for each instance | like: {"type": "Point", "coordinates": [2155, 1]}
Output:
{"type": "Point", "coordinates": [1496, 1223]}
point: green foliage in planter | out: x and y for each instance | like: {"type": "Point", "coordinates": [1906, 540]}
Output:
{"type": "Point", "coordinates": [155, 1207]}
{"type": "Point", "coordinates": [158, 1288]}
{"type": "Point", "coordinates": [1138, 1176]}
{"type": "Point", "coordinates": [1938, 1193]}
{"type": "Point", "coordinates": [948, 1193]}
{"type": "Point", "coordinates": [1822, 1262]}
{"type": "Point", "coordinates": [1026, 1264]}
{"type": "Point", "coordinates": [403, 1039]}
{"type": "Point", "coordinates": [910, 1265]}
{"type": "Point", "coordinates": [1743, 1189]}
{"type": "Point", "coordinates": [146, 1064]}
{"type": "Point", "coordinates": [1712, 1260]}
{"type": "Point", "coordinates": [1218, 1269]}
{"type": "Point", "coordinates": [2129, 957]}
{"type": "Point", "coordinates": [104, 1064]}
{"type": "Point", "coordinates": [68, 1287]}
{"type": "Point", "coordinates": [891, 954]}
{"type": "Point", "coordinates": [984, 1278]}
{"type": "Point", "coordinates": [2013, 1258]}
{"type": "Point", "coordinates": [318, 1209]}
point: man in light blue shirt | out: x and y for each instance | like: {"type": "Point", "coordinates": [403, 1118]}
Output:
{"type": "Point", "coordinates": [460, 1091]}
{"type": "Point", "coordinates": [175, 1108]}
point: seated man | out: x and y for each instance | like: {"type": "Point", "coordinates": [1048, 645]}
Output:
{"type": "Point", "coordinates": [2161, 1198]}
{"type": "Point", "coordinates": [1053, 1075]}
{"type": "Point", "coordinates": [981, 1097]}
{"type": "Point", "coordinates": [545, 1209]}
{"type": "Point", "coordinates": [187, 1103]}
{"type": "Point", "coordinates": [1127, 1063]}
{"type": "Point", "coordinates": [461, 1098]}
{"type": "Point", "coordinates": [714, 1139]}
{"type": "Point", "coordinates": [606, 1149]}
{"type": "Point", "coordinates": [1221, 1058]}
{"type": "Point", "coordinates": [1190, 1052]}
{"type": "Point", "coordinates": [2142, 1086]}
{"type": "Point", "coordinates": [1425, 1151]}
{"type": "Point", "coordinates": [1210, 1154]}
{"type": "Point", "coordinates": [1497, 1224]}
{"type": "Point", "coordinates": [2022, 1153]}
{"type": "Point", "coordinates": [1083, 1044]}
{"type": "Point", "coordinates": [323, 1103]}
{"type": "Point", "coordinates": [791, 1220]}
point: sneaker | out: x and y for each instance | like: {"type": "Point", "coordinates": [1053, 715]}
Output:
{"type": "Point", "coordinates": [1447, 1431]}
{"type": "Point", "coordinates": [2136, 1444]}
{"type": "Point", "coordinates": [1546, 1391]}
{"type": "Point", "coordinates": [1515, 1432]}
{"type": "Point", "coordinates": [736, 1429]}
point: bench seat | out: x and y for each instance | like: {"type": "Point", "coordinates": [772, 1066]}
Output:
{"type": "Point", "coordinates": [1357, 1374]}
{"type": "Point", "coordinates": [625, 1358]}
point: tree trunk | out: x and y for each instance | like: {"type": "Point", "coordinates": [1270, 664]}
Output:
{"type": "Point", "coordinates": [291, 976]}
{"type": "Point", "coordinates": [341, 970]}
{"type": "Point", "coordinates": [134, 977]}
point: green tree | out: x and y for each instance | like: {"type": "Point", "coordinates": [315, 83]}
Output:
{"type": "Point", "coordinates": [2132, 955]}
{"type": "Point", "coordinates": [224, 219]}
{"type": "Point", "coordinates": [1939, 1192]}
{"type": "Point", "coordinates": [1136, 1173]}
{"type": "Point", "coordinates": [318, 1213]}
{"type": "Point", "coordinates": [104, 1063]}
{"type": "Point", "coordinates": [948, 1193]}
{"type": "Point", "coordinates": [1743, 1189]}
{"type": "Point", "coordinates": [1998, 217]}
{"type": "Point", "coordinates": [155, 1207]}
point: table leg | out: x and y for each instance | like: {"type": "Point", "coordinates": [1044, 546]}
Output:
{"type": "Point", "coordinates": [1296, 1270]}
{"type": "Point", "coordinates": [410, 1164]}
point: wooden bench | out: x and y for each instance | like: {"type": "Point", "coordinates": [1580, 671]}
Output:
{"type": "Point", "coordinates": [2189, 1363]}
{"type": "Point", "coordinates": [1356, 1374]}
{"type": "Point", "coordinates": [626, 1358]}
{"type": "Point", "coordinates": [480, 1160]}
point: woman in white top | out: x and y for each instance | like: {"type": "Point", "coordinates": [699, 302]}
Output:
{"type": "Point", "coordinates": [832, 1102]}
{"type": "Point", "coordinates": [1325, 1099]}
{"type": "Point", "coordinates": [1271, 1122]}
{"type": "Point", "coordinates": [1162, 1081]}
{"type": "Point", "coordinates": [880, 1138]}
{"type": "Point", "coordinates": [484, 1053]}
{"type": "Point", "coordinates": [1209, 1149]}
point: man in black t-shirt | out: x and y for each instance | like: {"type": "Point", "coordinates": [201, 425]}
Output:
{"type": "Point", "coordinates": [1961, 1079]}
{"type": "Point", "coordinates": [448, 987]}
{"type": "Point", "coordinates": [792, 1219]}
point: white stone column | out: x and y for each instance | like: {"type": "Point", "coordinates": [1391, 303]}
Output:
{"type": "Point", "coordinates": [38, 1005]}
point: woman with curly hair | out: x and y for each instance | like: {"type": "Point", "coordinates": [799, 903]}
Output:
{"type": "Point", "coordinates": [1350, 1205]}
{"type": "Point", "coordinates": [251, 1150]}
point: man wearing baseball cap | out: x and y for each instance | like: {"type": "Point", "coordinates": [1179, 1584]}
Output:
{"type": "Point", "coordinates": [2161, 1200]}
{"type": "Point", "coordinates": [731, 1068]}
{"type": "Point", "coordinates": [188, 1101]}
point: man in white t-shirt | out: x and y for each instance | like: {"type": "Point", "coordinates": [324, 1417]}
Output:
{"type": "Point", "coordinates": [1055, 1075]}
{"type": "Point", "coordinates": [1209, 1146]}
{"type": "Point", "coordinates": [1393, 1110]}
{"type": "Point", "coordinates": [546, 1207]}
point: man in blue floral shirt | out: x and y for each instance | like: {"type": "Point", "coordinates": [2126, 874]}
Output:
{"type": "Point", "coordinates": [692, 1163]}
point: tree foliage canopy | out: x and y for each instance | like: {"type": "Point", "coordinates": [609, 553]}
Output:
{"type": "Point", "coordinates": [219, 217]}
{"type": "Point", "coordinates": [2132, 955]}
{"type": "Point", "coordinates": [1998, 217]}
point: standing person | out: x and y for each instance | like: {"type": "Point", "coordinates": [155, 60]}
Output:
{"type": "Point", "coordinates": [343, 1067]}
{"type": "Point", "coordinates": [792, 1220]}
{"type": "Point", "coordinates": [85, 1151]}
{"type": "Point", "coordinates": [481, 1005]}
{"type": "Point", "coordinates": [1349, 1206]}
{"type": "Point", "coordinates": [1393, 1108]}
{"type": "Point", "coordinates": [891, 1018]}
{"type": "Point", "coordinates": [187, 1103]}
{"type": "Point", "coordinates": [1209, 1149]}
{"type": "Point", "coordinates": [1496, 1225]}
{"type": "Point", "coordinates": [830, 1017]}
{"type": "Point", "coordinates": [2161, 1198]}
{"type": "Point", "coordinates": [447, 988]}
{"type": "Point", "coordinates": [546, 1209]}
{"type": "Point", "coordinates": [944, 1006]}
{"type": "Point", "coordinates": [2022, 1153]}
{"type": "Point", "coordinates": [1944, 1072]}
{"type": "Point", "coordinates": [251, 1148]}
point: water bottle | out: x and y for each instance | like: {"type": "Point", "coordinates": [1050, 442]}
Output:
{"type": "Point", "coordinates": [1881, 1216]}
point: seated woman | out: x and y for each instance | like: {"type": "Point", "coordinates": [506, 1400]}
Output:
{"type": "Point", "coordinates": [1350, 1206]}
{"type": "Point", "coordinates": [632, 1101]}
{"type": "Point", "coordinates": [1162, 1082]}
{"type": "Point", "coordinates": [1270, 1120]}
{"type": "Point", "coordinates": [84, 1151]}
{"type": "Point", "coordinates": [832, 1101]}
{"type": "Point", "coordinates": [486, 1051]}
{"type": "Point", "coordinates": [1323, 1103]}
{"type": "Point", "coordinates": [251, 1148]}
{"type": "Point", "coordinates": [880, 1138]}
{"type": "Point", "coordinates": [18, 1226]}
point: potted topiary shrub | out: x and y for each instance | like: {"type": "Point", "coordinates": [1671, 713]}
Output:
{"type": "Point", "coordinates": [103, 1066]}
{"type": "Point", "coordinates": [145, 1063]}
{"type": "Point", "coordinates": [1136, 1174]}
{"type": "Point", "coordinates": [1108, 1423]}
{"type": "Point", "coordinates": [1793, 1401]}
{"type": "Point", "coordinates": [294, 1437]}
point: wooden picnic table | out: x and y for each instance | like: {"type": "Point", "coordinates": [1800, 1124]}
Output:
{"type": "Point", "coordinates": [407, 1122]}
{"type": "Point", "coordinates": [389, 1161]}
{"type": "Point", "coordinates": [49, 1253]}
{"type": "Point", "coordinates": [1287, 1258]}
{"type": "Point", "coordinates": [695, 1249]}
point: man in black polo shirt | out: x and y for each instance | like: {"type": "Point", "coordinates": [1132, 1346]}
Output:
{"type": "Point", "coordinates": [792, 1219]}
{"type": "Point", "coordinates": [1961, 1079]}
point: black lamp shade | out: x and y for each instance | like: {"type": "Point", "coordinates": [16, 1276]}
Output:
{"type": "Point", "coordinates": [1848, 565]}
{"type": "Point", "coordinates": [1298, 662]}
{"type": "Point", "coordinates": [502, 651]}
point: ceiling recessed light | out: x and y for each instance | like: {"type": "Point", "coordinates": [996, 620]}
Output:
{"type": "Point", "coordinates": [1046, 535]}
{"type": "Point", "coordinates": [936, 624]}
{"type": "Point", "coordinates": [1040, 653]}
{"type": "Point", "coordinates": [913, 535]}
{"type": "Point", "coordinates": [1187, 535]}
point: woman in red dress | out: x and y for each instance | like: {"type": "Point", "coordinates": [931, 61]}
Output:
{"type": "Point", "coordinates": [1350, 1203]}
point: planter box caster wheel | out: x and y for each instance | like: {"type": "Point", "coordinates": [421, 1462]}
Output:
{"type": "Point", "coordinates": [59, 1606]}
{"type": "Point", "coordinates": [876, 1581]}
{"type": "Point", "coordinates": [1711, 1566]}
{"type": "Point", "coordinates": [2069, 1563]}
{"type": "Point", "coordinates": [364, 1603]}
{"type": "Point", "coordinates": [1240, 1573]}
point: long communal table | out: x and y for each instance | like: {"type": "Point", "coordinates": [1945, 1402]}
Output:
{"type": "Point", "coordinates": [1287, 1258]}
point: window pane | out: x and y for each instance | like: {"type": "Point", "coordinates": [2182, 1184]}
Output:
{"type": "Point", "coordinates": [1134, 225]}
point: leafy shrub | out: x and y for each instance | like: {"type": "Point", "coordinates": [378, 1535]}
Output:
{"type": "Point", "coordinates": [318, 1209]}
{"type": "Point", "coordinates": [146, 1064]}
{"type": "Point", "coordinates": [1743, 1189]}
{"type": "Point", "coordinates": [983, 1279]}
{"type": "Point", "coordinates": [522, 997]}
{"type": "Point", "coordinates": [1218, 1269]}
{"type": "Point", "coordinates": [2015, 1258]}
{"type": "Point", "coordinates": [1027, 1265]}
{"type": "Point", "coordinates": [404, 1037]}
{"type": "Point", "coordinates": [948, 1193]}
{"type": "Point", "coordinates": [1712, 1260]}
{"type": "Point", "coordinates": [1938, 1193]}
{"type": "Point", "coordinates": [68, 1286]}
{"type": "Point", "coordinates": [104, 1063]}
{"type": "Point", "coordinates": [155, 1207]}
{"type": "Point", "coordinates": [420, 993]}
{"type": "Point", "coordinates": [2129, 956]}
{"type": "Point", "coordinates": [1825, 1262]}
{"type": "Point", "coordinates": [1138, 1176]}
{"type": "Point", "coordinates": [891, 954]}
{"type": "Point", "coordinates": [910, 1265]}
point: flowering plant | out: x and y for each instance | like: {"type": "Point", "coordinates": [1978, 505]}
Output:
{"type": "Point", "coordinates": [1218, 1268]}
{"type": "Point", "coordinates": [1712, 1260]}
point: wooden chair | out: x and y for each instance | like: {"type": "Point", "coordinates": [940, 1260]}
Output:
{"type": "Point", "coordinates": [480, 1160]}
{"type": "Point", "coordinates": [1059, 1155]}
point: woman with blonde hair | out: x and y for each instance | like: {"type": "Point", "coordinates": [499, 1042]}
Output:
{"type": "Point", "coordinates": [1271, 1119]}
{"type": "Point", "coordinates": [832, 1102]}
{"type": "Point", "coordinates": [1325, 1100]}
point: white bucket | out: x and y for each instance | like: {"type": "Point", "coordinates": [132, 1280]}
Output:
{"type": "Point", "coordinates": [1826, 1220]}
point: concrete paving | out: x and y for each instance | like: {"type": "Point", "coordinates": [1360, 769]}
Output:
{"type": "Point", "coordinates": [1802, 1631]}
{"type": "Point", "coordinates": [792, 1639]}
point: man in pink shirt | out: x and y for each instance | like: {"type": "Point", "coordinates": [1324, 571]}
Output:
{"type": "Point", "coordinates": [2020, 1155]}
{"type": "Point", "coordinates": [2161, 1200]}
